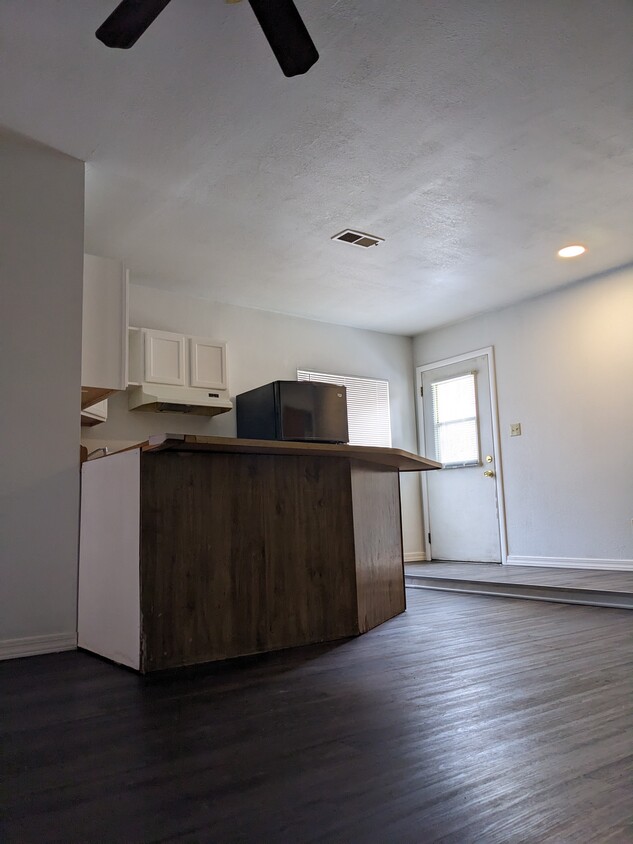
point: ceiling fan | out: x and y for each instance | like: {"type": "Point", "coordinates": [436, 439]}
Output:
{"type": "Point", "coordinates": [279, 19]}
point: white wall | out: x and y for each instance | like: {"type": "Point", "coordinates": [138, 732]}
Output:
{"type": "Point", "coordinates": [264, 347]}
{"type": "Point", "coordinates": [41, 268]}
{"type": "Point", "coordinates": [565, 372]}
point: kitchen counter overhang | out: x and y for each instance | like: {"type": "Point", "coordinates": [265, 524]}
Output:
{"type": "Point", "coordinates": [196, 549]}
{"type": "Point", "coordinates": [393, 458]}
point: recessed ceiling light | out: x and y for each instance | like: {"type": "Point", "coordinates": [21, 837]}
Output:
{"type": "Point", "coordinates": [572, 251]}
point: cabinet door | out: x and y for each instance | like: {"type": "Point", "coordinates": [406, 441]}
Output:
{"type": "Point", "coordinates": [207, 364]}
{"type": "Point", "coordinates": [165, 358]}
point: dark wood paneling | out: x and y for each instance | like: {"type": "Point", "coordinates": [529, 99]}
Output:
{"type": "Point", "coordinates": [243, 553]}
{"type": "Point", "coordinates": [202, 559]}
{"type": "Point", "coordinates": [309, 540]}
{"type": "Point", "coordinates": [378, 544]}
{"type": "Point", "coordinates": [465, 720]}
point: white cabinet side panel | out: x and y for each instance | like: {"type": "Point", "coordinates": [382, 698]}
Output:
{"type": "Point", "coordinates": [109, 591]}
{"type": "Point", "coordinates": [136, 356]}
{"type": "Point", "coordinates": [104, 326]}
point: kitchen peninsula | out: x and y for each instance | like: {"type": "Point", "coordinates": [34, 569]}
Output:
{"type": "Point", "coordinates": [196, 549]}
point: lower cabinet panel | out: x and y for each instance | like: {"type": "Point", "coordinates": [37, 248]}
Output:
{"type": "Point", "coordinates": [108, 621]}
{"type": "Point", "coordinates": [244, 553]}
{"type": "Point", "coordinates": [378, 542]}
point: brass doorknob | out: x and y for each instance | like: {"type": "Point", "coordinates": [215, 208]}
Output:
{"type": "Point", "coordinates": [489, 473]}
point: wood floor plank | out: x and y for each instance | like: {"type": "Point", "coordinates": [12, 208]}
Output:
{"type": "Point", "coordinates": [466, 719]}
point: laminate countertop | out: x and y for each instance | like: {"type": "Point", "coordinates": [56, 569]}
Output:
{"type": "Point", "coordinates": [394, 458]}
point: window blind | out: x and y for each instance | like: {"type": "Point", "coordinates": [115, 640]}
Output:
{"type": "Point", "coordinates": [368, 414]}
{"type": "Point", "coordinates": [455, 421]}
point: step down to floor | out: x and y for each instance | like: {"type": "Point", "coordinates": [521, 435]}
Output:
{"type": "Point", "coordinates": [558, 594]}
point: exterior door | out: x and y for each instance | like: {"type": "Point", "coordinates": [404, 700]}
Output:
{"type": "Point", "coordinates": [458, 430]}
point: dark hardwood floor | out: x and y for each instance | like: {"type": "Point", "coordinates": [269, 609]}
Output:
{"type": "Point", "coordinates": [467, 719]}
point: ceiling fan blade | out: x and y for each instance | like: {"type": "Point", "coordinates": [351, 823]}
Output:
{"type": "Point", "coordinates": [286, 34]}
{"type": "Point", "coordinates": [129, 21]}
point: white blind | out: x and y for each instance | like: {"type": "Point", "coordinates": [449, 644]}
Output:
{"type": "Point", "coordinates": [455, 421]}
{"type": "Point", "coordinates": [368, 416]}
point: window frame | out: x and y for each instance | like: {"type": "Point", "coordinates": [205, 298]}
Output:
{"type": "Point", "coordinates": [457, 464]}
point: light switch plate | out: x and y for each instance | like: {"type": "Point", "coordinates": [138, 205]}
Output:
{"type": "Point", "coordinates": [515, 429]}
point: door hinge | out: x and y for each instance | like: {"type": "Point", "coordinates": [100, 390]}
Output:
{"type": "Point", "coordinates": [421, 390]}
{"type": "Point", "coordinates": [429, 536]}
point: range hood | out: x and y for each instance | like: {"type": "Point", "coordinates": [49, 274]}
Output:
{"type": "Point", "coordinates": [162, 398]}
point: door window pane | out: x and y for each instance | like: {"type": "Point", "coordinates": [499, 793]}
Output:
{"type": "Point", "coordinates": [455, 421]}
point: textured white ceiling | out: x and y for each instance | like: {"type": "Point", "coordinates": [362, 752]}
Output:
{"type": "Point", "coordinates": [476, 136]}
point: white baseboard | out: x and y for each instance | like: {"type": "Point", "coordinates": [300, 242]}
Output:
{"type": "Point", "coordinates": [32, 645]}
{"type": "Point", "coordinates": [572, 563]}
{"type": "Point", "coordinates": [414, 556]}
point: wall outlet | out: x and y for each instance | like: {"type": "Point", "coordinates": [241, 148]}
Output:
{"type": "Point", "coordinates": [515, 429]}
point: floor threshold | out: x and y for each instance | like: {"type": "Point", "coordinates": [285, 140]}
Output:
{"type": "Point", "coordinates": [555, 594]}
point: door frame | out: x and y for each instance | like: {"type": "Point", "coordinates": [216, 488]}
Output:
{"type": "Point", "coordinates": [489, 353]}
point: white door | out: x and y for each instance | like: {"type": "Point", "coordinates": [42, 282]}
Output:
{"type": "Point", "coordinates": [458, 430]}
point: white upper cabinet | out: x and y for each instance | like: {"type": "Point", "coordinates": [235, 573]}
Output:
{"type": "Point", "coordinates": [179, 360]}
{"type": "Point", "coordinates": [165, 358]}
{"type": "Point", "coordinates": [207, 364]}
{"type": "Point", "coordinates": [104, 325]}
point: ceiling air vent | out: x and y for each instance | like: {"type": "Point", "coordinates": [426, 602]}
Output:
{"type": "Point", "coordinates": [358, 238]}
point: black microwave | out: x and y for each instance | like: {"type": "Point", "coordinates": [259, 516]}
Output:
{"type": "Point", "coordinates": [300, 411]}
